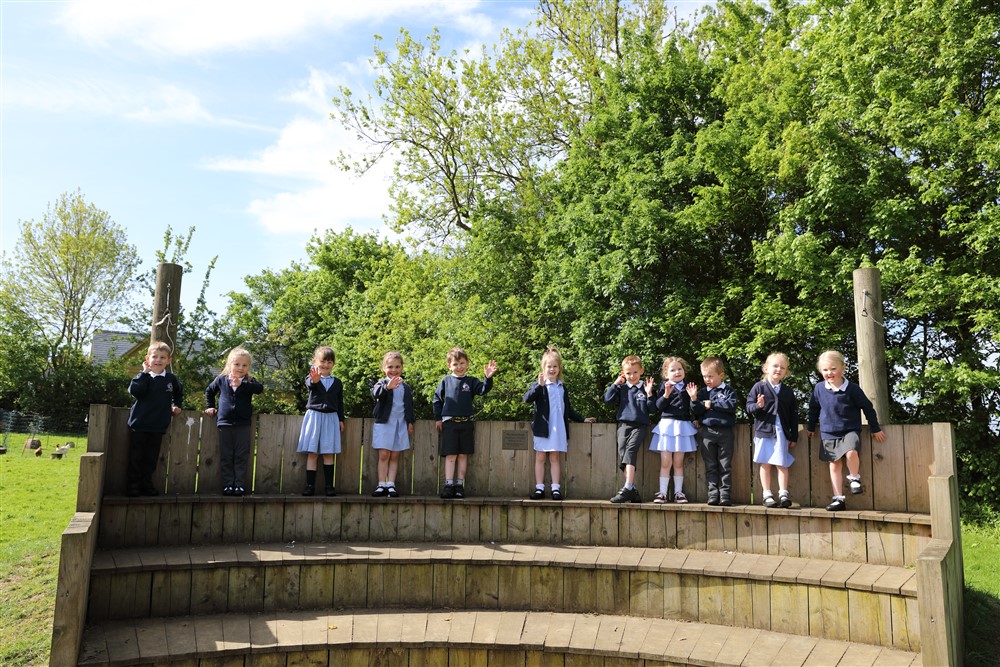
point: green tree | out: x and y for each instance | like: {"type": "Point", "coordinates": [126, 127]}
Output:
{"type": "Point", "coordinates": [72, 271]}
{"type": "Point", "coordinates": [23, 359]}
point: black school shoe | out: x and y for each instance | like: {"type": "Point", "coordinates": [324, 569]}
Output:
{"type": "Point", "coordinates": [393, 493]}
{"type": "Point", "coordinates": [448, 491]}
{"type": "Point", "coordinates": [459, 490]}
{"type": "Point", "coordinates": [627, 496]}
{"type": "Point", "coordinates": [329, 491]}
{"type": "Point", "coordinates": [556, 494]}
{"type": "Point", "coordinates": [537, 494]}
{"type": "Point", "coordinates": [310, 490]}
{"type": "Point", "coordinates": [838, 505]}
{"type": "Point", "coordinates": [380, 491]}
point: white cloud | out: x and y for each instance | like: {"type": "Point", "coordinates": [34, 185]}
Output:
{"type": "Point", "coordinates": [192, 27]}
{"type": "Point", "coordinates": [318, 195]}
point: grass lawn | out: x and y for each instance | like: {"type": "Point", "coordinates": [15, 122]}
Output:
{"type": "Point", "coordinates": [38, 496]}
{"type": "Point", "coordinates": [37, 500]}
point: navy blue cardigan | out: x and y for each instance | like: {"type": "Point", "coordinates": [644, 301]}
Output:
{"type": "Point", "coordinates": [675, 406]}
{"type": "Point", "coordinates": [781, 405]}
{"type": "Point", "coordinates": [539, 394]}
{"type": "Point", "coordinates": [235, 405]}
{"type": "Point", "coordinates": [326, 400]}
{"type": "Point", "coordinates": [383, 402]}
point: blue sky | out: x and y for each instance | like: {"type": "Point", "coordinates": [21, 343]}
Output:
{"type": "Point", "coordinates": [211, 113]}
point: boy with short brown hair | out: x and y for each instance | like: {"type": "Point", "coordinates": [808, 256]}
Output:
{"type": "Point", "coordinates": [631, 395]}
{"type": "Point", "coordinates": [158, 395]}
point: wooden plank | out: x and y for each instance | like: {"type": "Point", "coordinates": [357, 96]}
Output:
{"type": "Point", "coordinates": [425, 458]}
{"type": "Point", "coordinates": [789, 608]}
{"type": "Point", "coordinates": [783, 534]}
{"type": "Point", "coordinates": [209, 480]}
{"type": "Point", "coordinates": [577, 475]}
{"type": "Point", "coordinates": [816, 537]}
{"type": "Point", "coordinates": [482, 583]}
{"type": "Point", "coordinates": [500, 463]}
{"type": "Point", "coordinates": [179, 454]}
{"type": "Point", "coordinates": [715, 601]}
{"type": "Point", "coordinates": [888, 480]}
{"type": "Point", "coordinates": [870, 617]}
{"type": "Point", "coordinates": [477, 477]}
{"type": "Point", "coordinates": [348, 463]}
{"type": "Point", "coordinates": [116, 464]}
{"type": "Point", "coordinates": [606, 479]}
{"type": "Point", "coordinates": [918, 446]}
{"type": "Point", "coordinates": [850, 540]}
{"type": "Point", "coordinates": [286, 462]}
{"type": "Point", "coordinates": [743, 469]}
{"type": "Point", "coordinates": [268, 453]}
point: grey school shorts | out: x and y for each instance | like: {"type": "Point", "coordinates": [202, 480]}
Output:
{"type": "Point", "coordinates": [629, 437]}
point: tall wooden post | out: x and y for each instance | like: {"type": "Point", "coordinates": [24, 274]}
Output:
{"type": "Point", "coordinates": [870, 327]}
{"type": "Point", "coordinates": [167, 303]}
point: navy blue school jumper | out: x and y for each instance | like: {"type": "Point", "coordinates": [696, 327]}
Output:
{"type": "Point", "coordinates": [453, 406]}
{"type": "Point", "coordinates": [632, 417]}
{"type": "Point", "coordinates": [148, 419]}
{"type": "Point", "coordinates": [716, 437]}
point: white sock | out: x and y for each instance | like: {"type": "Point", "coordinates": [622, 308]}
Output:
{"type": "Point", "coordinates": [629, 485]}
{"type": "Point", "coordinates": [540, 487]}
{"type": "Point", "coordinates": [678, 483]}
{"type": "Point", "coordinates": [664, 481]}
{"type": "Point", "coordinates": [555, 487]}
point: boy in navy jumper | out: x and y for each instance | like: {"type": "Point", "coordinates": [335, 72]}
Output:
{"type": "Point", "coordinates": [158, 397]}
{"type": "Point", "coordinates": [837, 404]}
{"type": "Point", "coordinates": [453, 412]}
{"type": "Point", "coordinates": [715, 410]}
{"type": "Point", "coordinates": [632, 397]}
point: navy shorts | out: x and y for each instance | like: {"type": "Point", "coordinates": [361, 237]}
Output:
{"type": "Point", "coordinates": [458, 437]}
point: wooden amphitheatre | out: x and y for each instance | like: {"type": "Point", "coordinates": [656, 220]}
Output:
{"type": "Point", "coordinates": [194, 578]}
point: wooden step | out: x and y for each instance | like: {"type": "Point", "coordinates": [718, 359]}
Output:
{"type": "Point", "coordinates": [886, 538]}
{"type": "Point", "coordinates": [873, 604]}
{"type": "Point", "coordinates": [482, 637]}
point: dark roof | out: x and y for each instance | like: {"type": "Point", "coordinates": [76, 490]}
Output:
{"type": "Point", "coordinates": [110, 345]}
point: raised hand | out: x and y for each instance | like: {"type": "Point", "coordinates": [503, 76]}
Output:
{"type": "Point", "coordinates": [692, 390]}
{"type": "Point", "coordinates": [490, 369]}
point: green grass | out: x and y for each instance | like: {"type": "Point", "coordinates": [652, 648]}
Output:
{"type": "Point", "coordinates": [981, 556]}
{"type": "Point", "coordinates": [38, 496]}
{"type": "Point", "coordinates": [37, 500]}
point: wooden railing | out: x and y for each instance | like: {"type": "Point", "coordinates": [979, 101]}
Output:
{"type": "Point", "coordinates": [895, 471]}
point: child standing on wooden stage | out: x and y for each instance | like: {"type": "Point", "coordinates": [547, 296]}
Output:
{"type": "Point", "coordinates": [549, 425]}
{"type": "Point", "coordinates": [837, 405]}
{"type": "Point", "coordinates": [323, 422]}
{"type": "Point", "coordinates": [673, 436]}
{"type": "Point", "coordinates": [235, 389]}
{"type": "Point", "coordinates": [453, 411]}
{"type": "Point", "coordinates": [158, 396]}
{"type": "Point", "coordinates": [394, 420]}
{"type": "Point", "coordinates": [632, 397]}
{"type": "Point", "coordinates": [714, 411]}
{"type": "Point", "coordinates": [776, 427]}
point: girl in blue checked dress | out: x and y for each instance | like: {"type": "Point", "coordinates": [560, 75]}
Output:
{"type": "Point", "coordinates": [393, 422]}
{"type": "Point", "coordinates": [323, 422]}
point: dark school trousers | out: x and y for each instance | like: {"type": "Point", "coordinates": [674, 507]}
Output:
{"type": "Point", "coordinates": [716, 446]}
